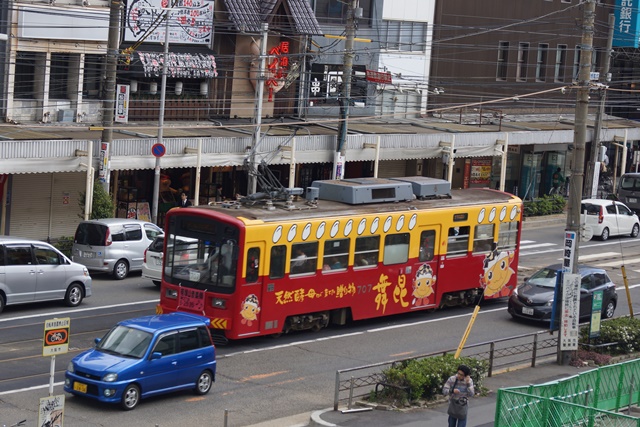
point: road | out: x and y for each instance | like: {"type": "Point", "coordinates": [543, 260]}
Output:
{"type": "Point", "coordinates": [264, 378]}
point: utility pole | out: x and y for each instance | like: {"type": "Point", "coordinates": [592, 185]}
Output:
{"type": "Point", "coordinates": [568, 334]}
{"type": "Point", "coordinates": [252, 184]}
{"type": "Point", "coordinates": [163, 95]}
{"type": "Point", "coordinates": [345, 100]}
{"type": "Point", "coordinates": [109, 100]}
{"type": "Point", "coordinates": [591, 182]}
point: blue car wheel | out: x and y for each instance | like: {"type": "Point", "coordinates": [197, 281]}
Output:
{"type": "Point", "coordinates": [130, 397]}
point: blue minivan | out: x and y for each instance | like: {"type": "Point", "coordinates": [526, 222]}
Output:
{"type": "Point", "coordinates": [144, 357]}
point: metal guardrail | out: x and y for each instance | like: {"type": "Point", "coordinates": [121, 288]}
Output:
{"type": "Point", "coordinates": [500, 354]}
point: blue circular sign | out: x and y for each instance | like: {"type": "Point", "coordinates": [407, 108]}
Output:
{"type": "Point", "coordinates": [158, 150]}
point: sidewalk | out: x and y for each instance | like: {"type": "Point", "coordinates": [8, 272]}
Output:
{"type": "Point", "coordinates": [481, 409]}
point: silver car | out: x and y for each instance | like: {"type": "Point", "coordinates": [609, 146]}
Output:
{"type": "Point", "coordinates": [152, 262]}
{"type": "Point", "coordinates": [113, 245]}
{"type": "Point", "coordinates": [32, 271]}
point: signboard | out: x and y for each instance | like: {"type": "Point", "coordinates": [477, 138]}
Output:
{"type": "Point", "coordinates": [192, 299]}
{"type": "Point", "coordinates": [627, 24]}
{"type": "Point", "coordinates": [122, 103]}
{"type": "Point", "coordinates": [481, 171]}
{"type": "Point", "coordinates": [569, 318]}
{"type": "Point", "coordinates": [378, 77]}
{"type": "Point", "coordinates": [103, 166]}
{"type": "Point", "coordinates": [179, 65]}
{"type": "Point", "coordinates": [51, 411]}
{"type": "Point", "coordinates": [596, 314]}
{"type": "Point", "coordinates": [56, 336]}
{"type": "Point", "coordinates": [569, 247]}
{"type": "Point", "coordinates": [190, 22]}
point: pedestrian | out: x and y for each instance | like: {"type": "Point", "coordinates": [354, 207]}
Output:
{"type": "Point", "coordinates": [556, 180]}
{"type": "Point", "coordinates": [459, 388]}
{"type": "Point", "coordinates": [184, 202]}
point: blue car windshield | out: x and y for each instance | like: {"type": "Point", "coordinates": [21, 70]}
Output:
{"type": "Point", "coordinates": [125, 341]}
{"type": "Point", "coordinates": [545, 278]}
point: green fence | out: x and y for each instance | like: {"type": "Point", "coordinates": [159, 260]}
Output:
{"type": "Point", "coordinates": [589, 399]}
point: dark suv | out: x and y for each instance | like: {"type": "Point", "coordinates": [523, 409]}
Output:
{"type": "Point", "coordinates": [534, 298]}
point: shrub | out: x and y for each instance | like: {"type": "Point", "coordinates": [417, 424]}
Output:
{"type": "Point", "coordinates": [64, 244]}
{"type": "Point", "coordinates": [581, 356]}
{"type": "Point", "coordinates": [426, 377]}
{"type": "Point", "coordinates": [545, 205]}
{"type": "Point", "coordinates": [102, 206]}
{"type": "Point", "coordinates": [625, 331]}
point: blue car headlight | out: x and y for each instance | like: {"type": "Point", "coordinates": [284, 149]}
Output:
{"type": "Point", "coordinates": [110, 377]}
{"type": "Point", "coordinates": [70, 367]}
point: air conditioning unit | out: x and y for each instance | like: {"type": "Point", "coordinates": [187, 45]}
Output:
{"type": "Point", "coordinates": [66, 115]}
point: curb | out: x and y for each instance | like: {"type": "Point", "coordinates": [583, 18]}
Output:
{"type": "Point", "coordinates": [317, 421]}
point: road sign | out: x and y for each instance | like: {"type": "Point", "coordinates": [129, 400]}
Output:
{"type": "Point", "coordinates": [596, 313]}
{"type": "Point", "coordinates": [56, 336]}
{"type": "Point", "coordinates": [158, 150]}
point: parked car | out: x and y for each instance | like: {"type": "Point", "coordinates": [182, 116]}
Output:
{"type": "Point", "coordinates": [152, 261]}
{"type": "Point", "coordinates": [609, 218]}
{"type": "Point", "coordinates": [534, 298]}
{"type": "Point", "coordinates": [31, 271]}
{"type": "Point", "coordinates": [628, 190]}
{"type": "Point", "coordinates": [144, 357]}
{"type": "Point", "coordinates": [114, 245]}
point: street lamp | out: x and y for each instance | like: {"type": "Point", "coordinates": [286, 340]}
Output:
{"type": "Point", "coordinates": [163, 93]}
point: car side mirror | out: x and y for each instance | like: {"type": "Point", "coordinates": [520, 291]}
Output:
{"type": "Point", "coordinates": [156, 355]}
{"type": "Point", "coordinates": [97, 340]}
{"type": "Point", "coordinates": [526, 279]}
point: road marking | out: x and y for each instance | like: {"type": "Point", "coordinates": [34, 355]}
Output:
{"type": "Point", "coordinates": [596, 256]}
{"type": "Point", "coordinates": [619, 262]}
{"type": "Point", "coordinates": [526, 242]}
{"type": "Point", "coordinates": [539, 245]}
{"type": "Point", "coordinates": [582, 246]}
{"type": "Point", "coordinates": [261, 376]}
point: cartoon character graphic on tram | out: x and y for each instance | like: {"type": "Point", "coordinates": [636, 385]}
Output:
{"type": "Point", "coordinates": [497, 272]}
{"type": "Point", "coordinates": [423, 285]}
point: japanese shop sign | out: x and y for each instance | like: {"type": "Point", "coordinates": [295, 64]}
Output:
{"type": "Point", "coordinates": [277, 68]}
{"type": "Point", "coordinates": [122, 103]}
{"type": "Point", "coordinates": [378, 77]}
{"type": "Point", "coordinates": [569, 317]}
{"type": "Point", "coordinates": [480, 171]}
{"type": "Point", "coordinates": [627, 24]}
{"type": "Point", "coordinates": [569, 248]}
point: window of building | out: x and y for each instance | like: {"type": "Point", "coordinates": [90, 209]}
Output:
{"type": "Point", "coordinates": [335, 11]}
{"type": "Point", "coordinates": [523, 62]}
{"type": "Point", "coordinates": [25, 75]}
{"type": "Point", "coordinates": [541, 62]}
{"type": "Point", "coordinates": [503, 60]}
{"type": "Point", "coordinates": [336, 255]}
{"type": "Point", "coordinates": [59, 76]}
{"type": "Point", "coordinates": [482, 238]}
{"type": "Point", "coordinates": [366, 254]}
{"type": "Point", "coordinates": [576, 62]}
{"type": "Point", "coordinates": [396, 248]}
{"type": "Point", "coordinates": [561, 63]}
{"type": "Point", "coordinates": [93, 71]}
{"type": "Point", "coordinates": [277, 262]}
{"type": "Point", "coordinates": [404, 36]}
{"type": "Point", "coordinates": [427, 245]}
{"type": "Point", "coordinates": [458, 241]}
{"type": "Point", "coordinates": [304, 258]}
{"type": "Point", "coordinates": [508, 236]}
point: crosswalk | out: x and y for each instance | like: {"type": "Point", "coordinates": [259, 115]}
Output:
{"type": "Point", "coordinates": [602, 259]}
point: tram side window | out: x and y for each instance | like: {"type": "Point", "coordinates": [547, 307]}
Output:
{"type": "Point", "coordinates": [396, 248]}
{"type": "Point", "coordinates": [336, 255]}
{"type": "Point", "coordinates": [482, 238]}
{"type": "Point", "coordinates": [367, 249]}
{"type": "Point", "coordinates": [427, 245]}
{"type": "Point", "coordinates": [508, 235]}
{"type": "Point", "coordinates": [253, 257]}
{"type": "Point", "coordinates": [278, 260]}
{"type": "Point", "coordinates": [458, 242]}
{"type": "Point", "coordinates": [304, 258]}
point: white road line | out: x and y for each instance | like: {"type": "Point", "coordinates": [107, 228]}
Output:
{"type": "Point", "coordinates": [526, 242]}
{"type": "Point", "coordinates": [596, 256]}
{"type": "Point", "coordinates": [539, 245]}
{"type": "Point", "coordinates": [582, 246]}
{"type": "Point", "coordinates": [618, 263]}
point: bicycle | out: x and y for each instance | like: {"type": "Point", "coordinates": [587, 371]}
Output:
{"type": "Point", "coordinates": [18, 424]}
{"type": "Point", "coordinates": [561, 190]}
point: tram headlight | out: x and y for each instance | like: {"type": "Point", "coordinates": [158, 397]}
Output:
{"type": "Point", "coordinates": [171, 293]}
{"type": "Point", "coordinates": [219, 303]}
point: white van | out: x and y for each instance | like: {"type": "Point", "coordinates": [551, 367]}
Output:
{"type": "Point", "coordinates": [32, 271]}
{"type": "Point", "coordinates": [628, 191]}
{"type": "Point", "coordinates": [113, 245]}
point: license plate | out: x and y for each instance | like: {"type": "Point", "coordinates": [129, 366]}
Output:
{"type": "Point", "coordinates": [158, 261]}
{"type": "Point", "coordinates": [88, 254]}
{"type": "Point", "coordinates": [632, 200]}
{"type": "Point", "coordinates": [82, 388]}
{"type": "Point", "coordinates": [528, 311]}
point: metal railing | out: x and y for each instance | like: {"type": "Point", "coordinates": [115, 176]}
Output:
{"type": "Point", "coordinates": [508, 352]}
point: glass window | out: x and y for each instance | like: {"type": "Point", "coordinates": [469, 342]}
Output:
{"type": "Point", "coordinates": [576, 62]}
{"type": "Point", "coordinates": [587, 282]}
{"type": "Point", "coordinates": [367, 249]}
{"type": "Point", "coordinates": [117, 234]}
{"type": "Point", "coordinates": [458, 241]}
{"type": "Point", "coordinates": [253, 258]}
{"type": "Point", "coordinates": [523, 62]}
{"type": "Point", "coordinates": [19, 255]}
{"type": "Point", "coordinates": [125, 341]}
{"type": "Point", "coordinates": [600, 279]}
{"type": "Point", "coordinates": [336, 255]}
{"type": "Point", "coordinates": [277, 262]}
{"type": "Point", "coordinates": [167, 344]}
{"type": "Point", "coordinates": [561, 62]}
{"type": "Point", "coordinates": [483, 238]}
{"type": "Point", "coordinates": [503, 60]}
{"type": "Point", "coordinates": [59, 75]}
{"type": "Point", "coordinates": [151, 231]}
{"type": "Point", "coordinates": [508, 235]}
{"type": "Point", "coordinates": [611, 209]}
{"type": "Point", "coordinates": [427, 245]}
{"type": "Point", "coordinates": [133, 232]}
{"type": "Point", "coordinates": [25, 75]}
{"type": "Point", "coordinates": [46, 256]}
{"type": "Point", "coordinates": [205, 337]}
{"type": "Point", "coordinates": [335, 11]}
{"type": "Point", "coordinates": [623, 210]}
{"type": "Point", "coordinates": [404, 36]}
{"type": "Point", "coordinates": [541, 62]}
{"type": "Point", "coordinates": [2, 255]}
{"type": "Point", "coordinates": [304, 258]}
{"type": "Point", "coordinates": [189, 340]}
{"type": "Point", "coordinates": [396, 248]}
{"type": "Point", "coordinates": [93, 65]}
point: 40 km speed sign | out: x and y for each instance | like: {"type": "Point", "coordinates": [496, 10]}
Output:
{"type": "Point", "coordinates": [56, 336]}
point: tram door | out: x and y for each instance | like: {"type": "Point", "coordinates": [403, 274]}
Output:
{"type": "Point", "coordinates": [425, 272]}
{"type": "Point", "coordinates": [251, 290]}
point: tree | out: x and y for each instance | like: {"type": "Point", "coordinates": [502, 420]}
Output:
{"type": "Point", "coordinates": [102, 203]}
